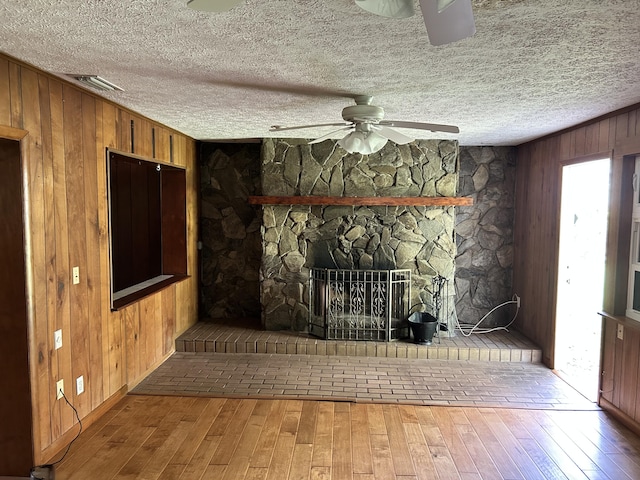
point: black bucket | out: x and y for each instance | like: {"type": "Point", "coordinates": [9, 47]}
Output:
{"type": "Point", "coordinates": [424, 326]}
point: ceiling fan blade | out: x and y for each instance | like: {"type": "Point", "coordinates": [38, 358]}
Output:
{"type": "Point", "coordinates": [388, 8]}
{"type": "Point", "coordinates": [330, 134]}
{"type": "Point", "coordinates": [279, 128]}
{"type": "Point", "coordinates": [391, 134]}
{"type": "Point", "coordinates": [212, 5]}
{"type": "Point", "coordinates": [447, 21]}
{"type": "Point", "coordinates": [280, 87]}
{"type": "Point", "coordinates": [434, 127]}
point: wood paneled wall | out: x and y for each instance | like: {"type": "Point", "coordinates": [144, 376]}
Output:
{"type": "Point", "coordinates": [538, 176]}
{"type": "Point", "coordinates": [69, 130]}
{"type": "Point", "coordinates": [620, 389]}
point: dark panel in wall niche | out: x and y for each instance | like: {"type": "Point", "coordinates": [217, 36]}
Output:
{"type": "Point", "coordinates": [230, 230]}
{"type": "Point", "coordinates": [484, 234]}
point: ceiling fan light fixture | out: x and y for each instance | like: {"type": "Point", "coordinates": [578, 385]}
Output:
{"type": "Point", "coordinates": [388, 8]}
{"type": "Point", "coordinates": [362, 142]}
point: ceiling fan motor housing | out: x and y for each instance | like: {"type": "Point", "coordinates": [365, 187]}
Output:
{"type": "Point", "coordinates": [363, 114]}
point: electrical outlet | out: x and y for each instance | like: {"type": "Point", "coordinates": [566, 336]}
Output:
{"type": "Point", "coordinates": [79, 385]}
{"type": "Point", "coordinates": [620, 332]}
{"type": "Point", "coordinates": [59, 389]}
{"type": "Point", "coordinates": [76, 275]}
{"type": "Point", "coordinates": [57, 339]}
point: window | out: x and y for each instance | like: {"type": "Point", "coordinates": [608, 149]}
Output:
{"type": "Point", "coordinates": [147, 226]}
{"type": "Point", "coordinates": [633, 294]}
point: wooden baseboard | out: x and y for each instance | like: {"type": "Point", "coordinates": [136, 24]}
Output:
{"type": "Point", "coordinates": [619, 415]}
{"type": "Point", "coordinates": [48, 454]}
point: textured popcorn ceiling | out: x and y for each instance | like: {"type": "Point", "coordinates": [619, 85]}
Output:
{"type": "Point", "coordinates": [532, 68]}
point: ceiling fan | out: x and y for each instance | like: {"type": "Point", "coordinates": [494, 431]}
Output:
{"type": "Point", "coordinates": [447, 21]}
{"type": "Point", "coordinates": [368, 131]}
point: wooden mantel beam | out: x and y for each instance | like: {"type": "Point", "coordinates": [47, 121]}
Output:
{"type": "Point", "coordinates": [359, 201]}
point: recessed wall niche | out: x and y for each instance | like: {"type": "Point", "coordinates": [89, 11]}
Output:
{"type": "Point", "coordinates": [147, 226]}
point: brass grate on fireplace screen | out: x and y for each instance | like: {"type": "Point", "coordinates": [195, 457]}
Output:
{"type": "Point", "coordinates": [359, 304]}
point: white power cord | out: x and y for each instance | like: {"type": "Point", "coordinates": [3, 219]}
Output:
{"type": "Point", "coordinates": [475, 328]}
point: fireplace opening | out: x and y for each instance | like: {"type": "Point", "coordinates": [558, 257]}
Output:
{"type": "Point", "coordinates": [359, 304]}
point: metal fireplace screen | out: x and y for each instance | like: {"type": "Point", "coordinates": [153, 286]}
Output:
{"type": "Point", "coordinates": [359, 304]}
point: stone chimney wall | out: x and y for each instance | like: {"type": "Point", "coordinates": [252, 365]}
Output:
{"type": "Point", "coordinates": [484, 234]}
{"type": "Point", "coordinates": [232, 252]}
{"type": "Point", "coordinates": [296, 238]}
{"type": "Point", "coordinates": [229, 231]}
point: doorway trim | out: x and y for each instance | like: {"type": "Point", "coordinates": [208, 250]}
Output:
{"type": "Point", "coordinates": [22, 136]}
{"type": "Point", "coordinates": [564, 166]}
{"type": "Point", "coordinates": [560, 166]}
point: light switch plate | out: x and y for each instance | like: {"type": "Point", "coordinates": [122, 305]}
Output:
{"type": "Point", "coordinates": [620, 333]}
{"type": "Point", "coordinates": [57, 339]}
{"type": "Point", "coordinates": [76, 275]}
{"type": "Point", "coordinates": [79, 385]}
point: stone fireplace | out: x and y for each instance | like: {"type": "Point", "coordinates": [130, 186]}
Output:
{"type": "Point", "coordinates": [359, 304]}
{"type": "Point", "coordinates": [296, 238]}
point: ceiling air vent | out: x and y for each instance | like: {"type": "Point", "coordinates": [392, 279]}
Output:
{"type": "Point", "coordinates": [97, 83]}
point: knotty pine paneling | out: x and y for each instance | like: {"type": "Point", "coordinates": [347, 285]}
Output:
{"type": "Point", "coordinates": [69, 130]}
{"type": "Point", "coordinates": [5, 93]}
{"type": "Point", "coordinates": [538, 173]}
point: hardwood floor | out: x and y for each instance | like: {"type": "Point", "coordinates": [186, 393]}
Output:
{"type": "Point", "coordinates": [158, 437]}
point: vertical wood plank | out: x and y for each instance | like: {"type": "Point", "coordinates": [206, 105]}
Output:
{"type": "Point", "coordinates": [168, 319]}
{"type": "Point", "coordinates": [123, 128]}
{"type": "Point", "coordinates": [162, 144]}
{"type": "Point", "coordinates": [629, 373]}
{"type": "Point", "coordinates": [580, 142]}
{"type": "Point", "coordinates": [565, 146]}
{"type": "Point", "coordinates": [323, 439]}
{"type": "Point", "coordinates": [144, 144]}
{"type": "Point", "coordinates": [16, 89]}
{"type": "Point", "coordinates": [453, 441]}
{"type": "Point", "coordinates": [592, 138]}
{"type": "Point", "coordinates": [341, 455]}
{"type": "Point", "coordinates": [402, 463]}
{"type": "Point", "coordinates": [608, 359]}
{"type": "Point", "coordinates": [603, 136]}
{"type": "Point", "coordinates": [44, 330]}
{"type": "Point", "coordinates": [5, 93]}
{"type": "Point", "coordinates": [636, 413]}
{"type": "Point", "coordinates": [76, 215]}
{"type": "Point", "coordinates": [131, 337]}
{"type": "Point", "coordinates": [631, 123]}
{"type": "Point", "coordinates": [362, 459]}
{"type": "Point", "coordinates": [115, 321]}
{"type": "Point", "coordinates": [90, 124]}
{"type": "Point", "coordinates": [147, 333]}
{"type": "Point", "coordinates": [622, 126]}
{"type": "Point", "coordinates": [102, 281]}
